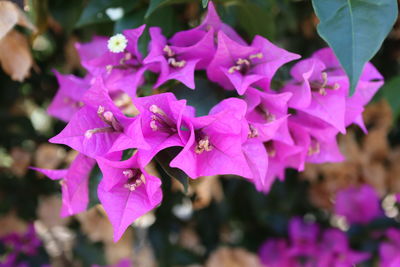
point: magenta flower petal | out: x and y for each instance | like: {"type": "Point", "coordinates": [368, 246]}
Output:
{"type": "Point", "coordinates": [257, 160]}
{"type": "Point", "coordinates": [210, 22]}
{"type": "Point", "coordinates": [68, 99]}
{"type": "Point", "coordinates": [230, 57]}
{"type": "Point", "coordinates": [74, 184]}
{"type": "Point", "coordinates": [274, 253]}
{"type": "Point", "coordinates": [133, 194]}
{"type": "Point", "coordinates": [93, 49]}
{"type": "Point", "coordinates": [161, 122]}
{"type": "Point", "coordinates": [52, 174]}
{"type": "Point", "coordinates": [99, 126]}
{"type": "Point", "coordinates": [176, 63]}
{"type": "Point", "coordinates": [215, 145]}
{"type": "Point", "coordinates": [273, 58]}
{"type": "Point", "coordinates": [358, 204]}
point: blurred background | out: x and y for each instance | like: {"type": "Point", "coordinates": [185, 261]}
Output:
{"type": "Point", "coordinates": [220, 221]}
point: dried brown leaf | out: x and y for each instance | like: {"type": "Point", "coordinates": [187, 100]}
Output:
{"type": "Point", "coordinates": [98, 228]}
{"type": "Point", "coordinates": [189, 239]}
{"type": "Point", "coordinates": [15, 55]}
{"type": "Point", "coordinates": [232, 257]}
{"type": "Point", "coordinates": [369, 159]}
{"type": "Point", "coordinates": [21, 161]}
{"type": "Point", "coordinates": [49, 156]}
{"type": "Point", "coordinates": [207, 188]}
{"type": "Point", "coordinates": [375, 174]}
{"type": "Point", "coordinates": [10, 15]}
{"type": "Point", "coordinates": [48, 211]}
{"type": "Point", "coordinates": [96, 225]}
{"type": "Point", "coordinates": [10, 223]}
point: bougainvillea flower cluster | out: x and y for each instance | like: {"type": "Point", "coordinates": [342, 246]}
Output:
{"type": "Point", "coordinates": [14, 245]}
{"type": "Point", "coordinates": [308, 245]}
{"type": "Point", "coordinates": [256, 133]}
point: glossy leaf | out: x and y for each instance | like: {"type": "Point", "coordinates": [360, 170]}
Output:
{"type": "Point", "coordinates": [164, 157]}
{"type": "Point", "coordinates": [203, 98]}
{"type": "Point", "coordinates": [66, 13]}
{"type": "Point", "coordinates": [95, 11]}
{"type": "Point", "coordinates": [391, 92]}
{"type": "Point", "coordinates": [257, 17]}
{"type": "Point", "coordinates": [155, 4]}
{"type": "Point", "coordinates": [355, 30]}
{"type": "Point", "coordinates": [205, 3]}
{"type": "Point", "coordinates": [131, 20]}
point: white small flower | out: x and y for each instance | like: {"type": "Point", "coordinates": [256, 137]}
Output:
{"type": "Point", "coordinates": [117, 43]}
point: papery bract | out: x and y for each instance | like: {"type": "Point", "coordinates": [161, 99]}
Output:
{"type": "Point", "coordinates": [120, 71]}
{"type": "Point", "coordinates": [237, 66]}
{"type": "Point", "coordinates": [176, 62]}
{"type": "Point", "coordinates": [358, 204]}
{"type": "Point", "coordinates": [100, 127]}
{"type": "Point", "coordinates": [274, 253]}
{"type": "Point", "coordinates": [68, 99]}
{"type": "Point", "coordinates": [318, 93]}
{"type": "Point", "coordinates": [334, 251]}
{"type": "Point", "coordinates": [215, 144]}
{"type": "Point", "coordinates": [210, 22]}
{"type": "Point", "coordinates": [74, 184]}
{"type": "Point", "coordinates": [162, 126]}
{"type": "Point", "coordinates": [127, 192]}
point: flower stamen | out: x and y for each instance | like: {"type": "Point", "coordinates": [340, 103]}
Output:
{"type": "Point", "coordinates": [244, 64]}
{"type": "Point", "coordinates": [253, 132]}
{"type": "Point", "coordinates": [314, 148]}
{"type": "Point", "coordinates": [203, 145]}
{"type": "Point", "coordinates": [160, 117]}
{"type": "Point", "coordinates": [135, 179]}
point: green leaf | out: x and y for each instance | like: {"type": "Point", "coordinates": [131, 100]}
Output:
{"type": "Point", "coordinates": [164, 157]}
{"type": "Point", "coordinates": [66, 13]}
{"type": "Point", "coordinates": [128, 153]}
{"type": "Point", "coordinates": [131, 20]}
{"type": "Point", "coordinates": [256, 17]}
{"type": "Point", "coordinates": [95, 11]}
{"type": "Point", "coordinates": [391, 92]}
{"type": "Point", "coordinates": [205, 3]}
{"type": "Point", "coordinates": [203, 98]}
{"type": "Point", "coordinates": [164, 18]}
{"type": "Point", "coordinates": [355, 30]}
{"type": "Point", "coordinates": [155, 4]}
{"type": "Point", "coordinates": [95, 178]}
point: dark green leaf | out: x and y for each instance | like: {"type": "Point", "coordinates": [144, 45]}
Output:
{"type": "Point", "coordinates": [66, 13]}
{"type": "Point", "coordinates": [391, 92]}
{"type": "Point", "coordinates": [131, 20]}
{"type": "Point", "coordinates": [203, 98]}
{"type": "Point", "coordinates": [355, 30]}
{"type": "Point", "coordinates": [95, 178]}
{"type": "Point", "coordinates": [256, 17]}
{"type": "Point", "coordinates": [88, 252]}
{"type": "Point", "coordinates": [155, 4]}
{"type": "Point", "coordinates": [95, 11]}
{"type": "Point", "coordinates": [127, 154]}
{"type": "Point", "coordinates": [166, 19]}
{"type": "Point", "coordinates": [205, 3]}
{"type": "Point", "coordinates": [164, 157]}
